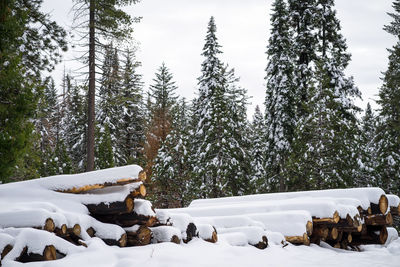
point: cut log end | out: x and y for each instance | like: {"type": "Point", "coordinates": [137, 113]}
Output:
{"type": "Point", "coordinates": [336, 217]}
{"type": "Point", "coordinates": [383, 235]}
{"type": "Point", "coordinates": [383, 204]}
{"type": "Point", "coordinates": [49, 225]}
{"type": "Point", "coordinates": [349, 238]}
{"type": "Point", "coordinates": [214, 238]}
{"type": "Point", "coordinates": [49, 253]}
{"type": "Point", "coordinates": [142, 176]}
{"type": "Point", "coordinates": [389, 219]}
{"type": "Point", "coordinates": [122, 241]}
{"type": "Point", "coordinates": [334, 233]}
{"type": "Point", "coordinates": [129, 204]}
{"type": "Point", "coordinates": [5, 251]}
{"type": "Point", "coordinates": [175, 239]}
{"type": "Point", "coordinates": [76, 230]}
{"type": "Point", "coordinates": [309, 227]}
{"type": "Point", "coordinates": [90, 231]}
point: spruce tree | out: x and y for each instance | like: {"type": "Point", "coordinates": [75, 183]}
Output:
{"type": "Point", "coordinates": [280, 107]}
{"type": "Point", "coordinates": [257, 153]}
{"type": "Point", "coordinates": [366, 175]}
{"type": "Point", "coordinates": [29, 44]}
{"type": "Point", "coordinates": [326, 136]}
{"type": "Point", "coordinates": [130, 126]}
{"type": "Point", "coordinates": [171, 171]}
{"type": "Point", "coordinates": [162, 99]}
{"type": "Point", "coordinates": [220, 157]}
{"type": "Point", "coordinates": [388, 129]}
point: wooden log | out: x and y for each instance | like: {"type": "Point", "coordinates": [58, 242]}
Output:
{"type": "Point", "coordinates": [61, 231]}
{"type": "Point", "coordinates": [373, 235]}
{"type": "Point", "coordinates": [86, 188]}
{"type": "Point", "coordinates": [214, 237]}
{"type": "Point", "coordinates": [5, 251]}
{"type": "Point", "coordinates": [49, 253]}
{"type": "Point", "coordinates": [117, 207]}
{"type": "Point", "coordinates": [139, 192]}
{"type": "Point", "coordinates": [381, 207]}
{"type": "Point", "coordinates": [128, 219]}
{"type": "Point", "coordinates": [379, 219]}
{"type": "Point", "coordinates": [191, 231]}
{"type": "Point", "coordinates": [395, 210]}
{"type": "Point", "coordinates": [75, 230]}
{"type": "Point", "coordinates": [142, 176]}
{"type": "Point", "coordinates": [333, 233]}
{"type": "Point", "coordinates": [263, 243]}
{"type": "Point", "coordinates": [309, 228]}
{"type": "Point", "coordinates": [334, 219]}
{"type": "Point", "coordinates": [121, 242]}
{"type": "Point", "coordinates": [321, 232]}
{"type": "Point", "coordinates": [140, 237]}
{"type": "Point", "coordinates": [299, 240]}
{"type": "Point", "coordinates": [91, 232]}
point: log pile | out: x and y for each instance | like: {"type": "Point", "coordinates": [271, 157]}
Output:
{"type": "Point", "coordinates": [65, 212]}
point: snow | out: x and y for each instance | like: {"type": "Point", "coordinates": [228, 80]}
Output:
{"type": "Point", "coordinates": [365, 195]}
{"type": "Point", "coordinates": [318, 207]}
{"type": "Point", "coordinates": [253, 234]}
{"type": "Point", "coordinates": [205, 231]}
{"type": "Point", "coordinates": [394, 201]}
{"type": "Point", "coordinates": [229, 221]}
{"type": "Point", "coordinates": [199, 253]}
{"type": "Point", "coordinates": [143, 207]}
{"type": "Point", "coordinates": [164, 233]}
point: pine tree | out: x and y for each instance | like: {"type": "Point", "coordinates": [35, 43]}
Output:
{"type": "Point", "coordinates": [220, 107]}
{"type": "Point", "coordinates": [388, 129]}
{"type": "Point", "coordinates": [130, 127]}
{"type": "Point", "coordinates": [171, 171]}
{"type": "Point", "coordinates": [162, 99]}
{"type": "Point", "coordinates": [366, 176]}
{"type": "Point", "coordinates": [29, 44]}
{"type": "Point", "coordinates": [280, 112]}
{"type": "Point", "coordinates": [73, 124]}
{"type": "Point", "coordinates": [326, 137]}
{"type": "Point", "coordinates": [257, 153]}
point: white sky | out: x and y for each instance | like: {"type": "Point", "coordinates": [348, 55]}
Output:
{"type": "Point", "coordinates": [173, 32]}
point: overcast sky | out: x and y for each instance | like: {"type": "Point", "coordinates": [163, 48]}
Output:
{"type": "Point", "coordinates": [173, 32]}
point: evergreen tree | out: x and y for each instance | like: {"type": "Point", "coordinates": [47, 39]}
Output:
{"type": "Point", "coordinates": [218, 149]}
{"type": "Point", "coordinates": [388, 129]}
{"type": "Point", "coordinates": [366, 176]}
{"type": "Point", "coordinates": [104, 20]}
{"type": "Point", "coordinates": [171, 171]}
{"type": "Point", "coordinates": [162, 99]}
{"type": "Point", "coordinates": [130, 127]}
{"type": "Point", "coordinates": [326, 137]}
{"type": "Point", "coordinates": [258, 154]}
{"type": "Point", "coordinates": [280, 113]}
{"type": "Point", "coordinates": [29, 43]}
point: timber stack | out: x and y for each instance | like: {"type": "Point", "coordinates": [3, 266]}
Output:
{"type": "Point", "coordinates": [62, 213]}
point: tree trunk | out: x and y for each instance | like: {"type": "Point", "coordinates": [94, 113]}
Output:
{"type": "Point", "coordinates": [92, 89]}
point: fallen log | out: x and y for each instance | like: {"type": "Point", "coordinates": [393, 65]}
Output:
{"type": "Point", "coordinates": [49, 253]}
{"type": "Point", "coordinates": [61, 231]}
{"type": "Point", "coordinates": [379, 219]}
{"type": "Point", "coordinates": [5, 250]}
{"type": "Point", "coordinates": [91, 232]}
{"type": "Point", "coordinates": [381, 207]}
{"type": "Point", "coordinates": [334, 219]}
{"type": "Point", "coordinates": [117, 207]}
{"type": "Point", "coordinates": [74, 230]}
{"type": "Point", "coordinates": [298, 240]}
{"type": "Point", "coordinates": [86, 188]}
{"type": "Point", "coordinates": [127, 219]}
{"type": "Point", "coordinates": [372, 235]}
{"type": "Point", "coordinates": [138, 235]}
{"type": "Point", "coordinates": [165, 234]}
{"type": "Point", "coordinates": [139, 192]}
{"type": "Point", "coordinates": [207, 232]}
{"type": "Point", "coordinates": [121, 242]}
{"type": "Point", "coordinates": [255, 235]}
{"type": "Point", "coordinates": [320, 232]}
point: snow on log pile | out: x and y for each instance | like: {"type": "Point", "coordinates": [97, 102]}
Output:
{"type": "Point", "coordinates": [49, 218]}
{"type": "Point", "coordinates": [344, 218]}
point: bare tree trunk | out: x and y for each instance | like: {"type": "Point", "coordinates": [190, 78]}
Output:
{"type": "Point", "coordinates": [92, 88]}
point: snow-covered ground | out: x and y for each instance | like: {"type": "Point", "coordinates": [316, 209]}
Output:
{"type": "Point", "coordinates": [201, 253]}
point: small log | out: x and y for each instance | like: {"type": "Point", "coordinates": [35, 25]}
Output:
{"type": "Point", "coordinates": [298, 240]}
{"type": "Point", "coordinates": [75, 230]}
{"type": "Point", "coordinates": [85, 188]}
{"type": "Point", "coordinates": [381, 207]}
{"type": "Point", "coordinates": [5, 251]}
{"type": "Point", "coordinates": [128, 219]}
{"type": "Point", "coordinates": [335, 219]}
{"type": "Point", "coordinates": [142, 176]}
{"type": "Point", "coordinates": [175, 239]}
{"type": "Point", "coordinates": [91, 232]}
{"type": "Point", "coordinates": [62, 231]}
{"type": "Point", "coordinates": [373, 235]}
{"type": "Point", "coordinates": [321, 232]}
{"type": "Point", "coordinates": [214, 237]}
{"type": "Point", "coordinates": [140, 237]}
{"type": "Point", "coordinates": [117, 207]}
{"type": "Point", "coordinates": [349, 238]}
{"type": "Point", "coordinates": [139, 192]}
{"type": "Point", "coordinates": [121, 242]}
{"type": "Point", "coordinates": [309, 228]}
{"type": "Point", "coordinates": [49, 253]}
{"type": "Point", "coordinates": [49, 225]}
{"type": "Point", "coordinates": [191, 231]}
{"type": "Point", "coordinates": [379, 219]}
{"type": "Point", "coordinates": [333, 233]}
{"type": "Point", "coordinates": [263, 243]}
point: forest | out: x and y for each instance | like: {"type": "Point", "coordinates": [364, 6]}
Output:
{"type": "Point", "coordinates": [309, 134]}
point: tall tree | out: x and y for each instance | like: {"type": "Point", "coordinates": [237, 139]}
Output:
{"type": "Point", "coordinates": [162, 99]}
{"type": "Point", "coordinates": [280, 107]}
{"type": "Point", "coordinates": [171, 170]}
{"type": "Point", "coordinates": [101, 20]}
{"type": "Point", "coordinates": [326, 136]}
{"type": "Point", "coordinates": [29, 44]}
{"type": "Point", "coordinates": [388, 138]}
{"type": "Point", "coordinates": [219, 108]}
{"type": "Point", "coordinates": [131, 125]}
